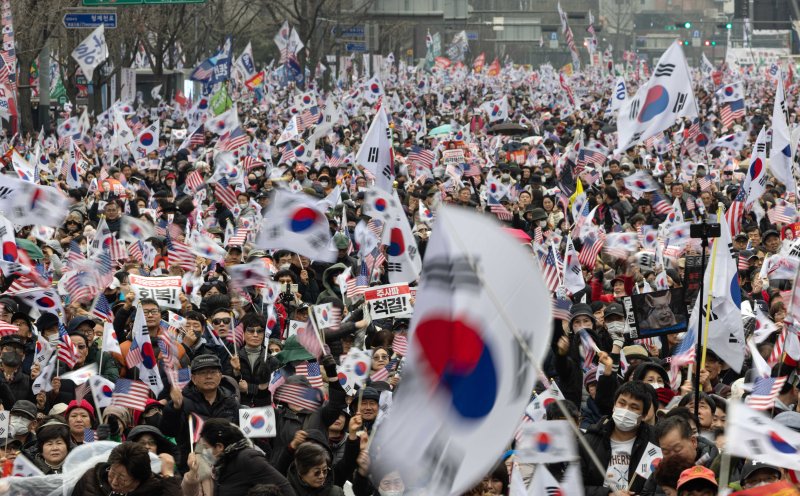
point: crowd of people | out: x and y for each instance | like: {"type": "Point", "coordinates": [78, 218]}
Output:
{"type": "Point", "coordinates": [239, 347]}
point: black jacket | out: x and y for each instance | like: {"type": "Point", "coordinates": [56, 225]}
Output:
{"type": "Point", "coordinates": [239, 470]}
{"type": "Point", "coordinates": [19, 386]}
{"type": "Point", "coordinates": [175, 422]}
{"type": "Point", "coordinates": [95, 483]}
{"type": "Point", "coordinates": [705, 456]}
{"type": "Point", "coordinates": [598, 436]}
{"type": "Point", "coordinates": [288, 422]}
{"type": "Point", "coordinates": [255, 374]}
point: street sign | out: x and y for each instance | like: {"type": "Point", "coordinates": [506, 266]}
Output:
{"type": "Point", "coordinates": [353, 32]}
{"type": "Point", "coordinates": [355, 47]}
{"type": "Point", "coordinates": [112, 3]}
{"type": "Point", "coordinates": [554, 36]}
{"type": "Point", "coordinates": [472, 35]}
{"type": "Point", "coordinates": [77, 20]}
{"type": "Point", "coordinates": [695, 33]}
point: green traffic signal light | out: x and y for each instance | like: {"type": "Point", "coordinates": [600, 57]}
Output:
{"type": "Point", "coordinates": [713, 43]}
{"type": "Point", "coordinates": [728, 26]}
{"type": "Point", "coordinates": [686, 42]}
{"type": "Point", "coordinates": [687, 25]}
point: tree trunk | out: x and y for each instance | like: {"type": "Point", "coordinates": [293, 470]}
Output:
{"type": "Point", "coordinates": [24, 106]}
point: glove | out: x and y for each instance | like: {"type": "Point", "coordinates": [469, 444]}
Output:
{"type": "Point", "coordinates": [330, 367]}
{"type": "Point", "coordinates": [103, 432]}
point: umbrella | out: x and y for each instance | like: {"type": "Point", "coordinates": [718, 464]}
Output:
{"type": "Point", "coordinates": [441, 130]}
{"type": "Point", "coordinates": [509, 128]}
{"type": "Point", "coordinates": [518, 234]}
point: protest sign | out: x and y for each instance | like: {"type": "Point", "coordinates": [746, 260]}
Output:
{"type": "Point", "coordinates": [165, 290]}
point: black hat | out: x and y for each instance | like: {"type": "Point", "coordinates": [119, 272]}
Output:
{"type": "Point", "coordinates": [741, 235]}
{"type": "Point", "coordinates": [12, 340]}
{"type": "Point", "coordinates": [770, 232]}
{"type": "Point", "coordinates": [614, 309]}
{"type": "Point", "coordinates": [752, 466]}
{"type": "Point", "coordinates": [76, 322]}
{"type": "Point", "coordinates": [22, 315]}
{"type": "Point", "coordinates": [205, 362]}
{"type": "Point", "coordinates": [26, 408]}
{"type": "Point", "coordinates": [46, 321]}
{"type": "Point", "coordinates": [9, 303]}
{"type": "Point", "coordinates": [371, 393]}
{"type": "Point", "coordinates": [581, 309]}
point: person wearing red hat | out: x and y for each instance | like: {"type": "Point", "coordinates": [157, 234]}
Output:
{"type": "Point", "coordinates": [79, 416]}
{"type": "Point", "coordinates": [697, 481]}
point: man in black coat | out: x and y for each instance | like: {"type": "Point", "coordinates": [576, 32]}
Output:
{"type": "Point", "coordinates": [207, 396]}
{"type": "Point", "coordinates": [619, 442]}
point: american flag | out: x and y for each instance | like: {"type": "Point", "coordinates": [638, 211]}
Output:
{"type": "Point", "coordinates": [130, 394]}
{"type": "Point", "coordinates": [287, 156]}
{"type": "Point", "coordinates": [375, 258]}
{"type": "Point", "coordinates": [735, 211]}
{"type": "Point", "coordinates": [551, 270]}
{"type": "Point", "coordinates": [135, 251]}
{"type": "Point", "coordinates": [590, 248]}
{"type": "Point", "coordinates": [684, 354]}
{"type": "Point", "coordinates": [690, 204]}
{"type": "Point", "coordinates": [89, 436]}
{"type": "Point", "coordinates": [7, 329]}
{"type": "Point", "coordinates": [80, 285]}
{"type": "Point", "coordinates": [239, 237]}
{"type": "Point", "coordinates": [75, 255]}
{"type": "Point", "coordinates": [198, 137]}
{"type": "Point", "coordinates": [589, 156]}
{"type": "Point", "coordinates": [660, 204]}
{"type": "Point", "coordinates": [81, 391]}
{"type": "Point", "coordinates": [357, 285]}
{"type": "Point", "coordinates": [311, 371]}
{"type": "Point", "coordinates": [777, 350]}
{"type": "Point", "coordinates": [400, 344]}
{"type": "Point", "coordinates": [561, 306]}
{"type": "Point", "coordinates": [743, 263]}
{"type": "Point", "coordinates": [383, 374]}
{"type": "Point", "coordinates": [308, 398]}
{"type": "Point", "coordinates": [233, 140]}
{"type": "Point", "coordinates": [67, 352]}
{"type": "Point", "coordinates": [704, 182]}
{"type": "Point", "coordinates": [178, 254]}
{"type": "Point", "coordinates": [236, 334]}
{"type": "Point", "coordinates": [537, 235]}
{"type": "Point", "coordinates": [276, 380]}
{"type": "Point", "coordinates": [784, 213]}
{"type": "Point", "coordinates": [226, 195]}
{"type": "Point", "coordinates": [308, 337]}
{"type": "Point", "coordinates": [421, 156]}
{"type": "Point", "coordinates": [730, 112]}
{"type": "Point", "coordinates": [194, 180]}
{"type": "Point", "coordinates": [251, 163]}
{"type": "Point", "coordinates": [197, 427]}
{"type": "Point", "coordinates": [101, 309]}
{"type": "Point", "coordinates": [178, 378]}
{"type": "Point", "coordinates": [765, 391]}
{"type": "Point", "coordinates": [497, 208]}
{"type": "Point", "coordinates": [588, 349]}
{"type": "Point", "coordinates": [308, 118]}
{"type": "Point", "coordinates": [167, 342]}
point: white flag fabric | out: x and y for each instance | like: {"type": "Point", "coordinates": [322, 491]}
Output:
{"type": "Point", "coordinates": [25, 468]}
{"type": "Point", "coordinates": [147, 140]}
{"type": "Point", "coordinates": [725, 331]}
{"type": "Point", "coordinates": [32, 204]}
{"type": "Point", "coordinates": [573, 277]}
{"type": "Point", "coordinates": [496, 110]}
{"type": "Point", "coordinates": [404, 261]}
{"type": "Point", "coordinates": [731, 92]}
{"type": "Point", "coordinates": [91, 52]}
{"type": "Point", "coordinates": [155, 93]}
{"type": "Point", "coordinates": [5, 419]}
{"type": "Point", "coordinates": [354, 370]}
{"type": "Point", "coordinates": [224, 122]}
{"type": "Point", "coordinates": [373, 89]}
{"type": "Point", "coordinates": [375, 153]}
{"type": "Point", "coordinates": [536, 409]}
{"type": "Point", "coordinates": [650, 459]}
{"type": "Point", "coordinates": [481, 293]}
{"type": "Point", "coordinates": [780, 154]}
{"type": "Point", "coordinates": [250, 274]}
{"type": "Point", "coordinates": [81, 375]}
{"type": "Point", "coordinates": [572, 483]}
{"type": "Point", "coordinates": [620, 94]}
{"type": "Point", "coordinates": [244, 67]}
{"type": "Point", "coordinates": [667, 96]}
{"type": "Point", "coordinates": [756, 178]}
{"type": "Point", "coordinates": [760, 365]}
{"type": "Point", "coordinates": [516, 487]}
{"type": "Point", "coordinates": [753, 435]}
{"type": "Point", "coordinates": [734, 141]}
{"type": "Point", "coordinates": [148, 368]}
{"type": "Point", "coordinates": [133, 230]}
{"type": "Point", "coordinates": [110, 341]}
{"type": "Point", "coordinates": [43, 383]}
{"type": "Point", "coordinates": [257, 422]}
{"type": "Point", "coordinates": [122, 132]}
{"type": "Point", "coordinates": [549, 441]}
{"type": "Point", "coordinates": [43, 351]}
{"type": "Point", "coordinates": [102, 390]}
{"type": "Point", "coordinates": [543, 482]}
{"type": "Point", "coordinates": [293, 222]}
{"type": "Point", "coordinates": [203, 246]}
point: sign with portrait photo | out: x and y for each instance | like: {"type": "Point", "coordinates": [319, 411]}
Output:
{"type": "Point", "coordinates": [656, 313]}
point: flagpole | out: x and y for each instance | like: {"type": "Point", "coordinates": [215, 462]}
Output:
{"type": "Point", "coordinates": [501, 311]}
{"type": "Point", "coordinates": [191, 433]}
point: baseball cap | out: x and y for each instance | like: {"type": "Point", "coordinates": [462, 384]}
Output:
{"type": "Point", "coordinates": [636, 351]}
{"type": "Point", "coordinates": [698, 472]}
{"type": "Point", "coordinates": [614, 309]}
{"type": "Point", "coordinates": [205, 362]}
{"type": "Point", "coordinates": [752, 466]}
{"type": "Point", "coordinates": [26, 408]}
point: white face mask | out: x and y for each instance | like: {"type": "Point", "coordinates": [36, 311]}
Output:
{"type": "Point", "coordinates": [625, 420]}
{"type": "Point", "coordinates": [18, 426]}
{"type": "Point", "coordinates": [657, 385]}
{"type": "Point", "coordinates": [285, 266]}
{"type": "Point", "coordinates": [615, 327]}
{"type": "Point", "coordinates": [390, 493]}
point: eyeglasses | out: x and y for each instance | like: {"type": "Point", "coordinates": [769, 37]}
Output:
{"type": "Point", "coordinates": [318, 472]}
{"type": "Point", "coordinates": [226, 321]}
{"type": "Point", "coordinates": [81, 346]}
{"type": "Point", "coordinates": [121, 479]}
{"type": "Point", "coordinates": [380, 357]}
{"type": "Point", "coordinates": [254, 330]}
{"type": "Point", "coordinates": [151, 311]}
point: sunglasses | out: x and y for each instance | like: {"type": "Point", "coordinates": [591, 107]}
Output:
{"type": "Point", "coordinates": [225, 321]}
{"type": "Point", "coordinates": [254, 330]}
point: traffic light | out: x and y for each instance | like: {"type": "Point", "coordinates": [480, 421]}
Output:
{"type": "Point", "coordinates": [707, 43]}
{"type": "Point", "coordinates": [713, 42]}
{"type": "Point", "coordinates": [728, 25]}
{"type": "Point", "coordinates": [686, 42]}
{"type": "Point", "coordinates": [683, 25]}
{"type": "Point", "coordinates": [687, 25]}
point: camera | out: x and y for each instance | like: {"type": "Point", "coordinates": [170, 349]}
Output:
{"type": "Point", "coordinates": [705, 230]}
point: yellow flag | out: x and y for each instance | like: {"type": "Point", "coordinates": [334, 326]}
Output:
{"type": "Point", "coordinates": [578, 191]}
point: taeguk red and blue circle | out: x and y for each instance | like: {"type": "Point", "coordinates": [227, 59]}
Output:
{"type": "Point", "coordinates": [46, 302]}
{"type": "Point", "coordinates": [380, 204]}
{"type": "Point", "coordinates": [107, 391]}
{"type": "Point", "coordinates": [257, 422]}
{"type": "Point", "coordinates": [543, 441]}
{"type": "Point", "coordinates": [374, 88]}
{"type": "Point", "coordinates": [756, 168]}
{"type": "Point", "coordinates": [146, 139]}
{"type": "Point", "coordinates": [37, 196]}
{"type": "Point", "coordinates": [303, 219]}
{"type": "Point", "coordinates": [9, 251]}
{"type": "Point", "coordinates": [148, 356]}
{"type": "Point", "coordinates": [656, 101]}
{"type": "Point", "coordinates": [397, 243]}
{"type": "Point", "coordinates": [360, 367]}
{"type": "Point", "coordinates": [461, 363]}
{"type": "Point", "coordinates": [780, 444]}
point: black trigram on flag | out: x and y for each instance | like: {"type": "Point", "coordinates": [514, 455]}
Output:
{"type": "Point", "coordinates": [373, 154]}
{"type": "Point", "coordinates": [664, 70]}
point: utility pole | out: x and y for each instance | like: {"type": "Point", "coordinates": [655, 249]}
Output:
{"type": "Point", "coordinates": [44, 83]}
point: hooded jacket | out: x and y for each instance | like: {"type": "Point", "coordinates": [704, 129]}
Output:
{"type": "Point", "coordinates": [95, 483]}
{"type": "Point", "coordinates": [253, 375]}
{"type": "Point", "coordinates": [331, 288]}
{"type": "Point", "coordinates": [241, 467]}
{"type": "Point", "coordinates": [335, 478]}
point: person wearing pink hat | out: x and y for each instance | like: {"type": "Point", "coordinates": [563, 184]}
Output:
{"type": "Point", "coordinates": [79, 417]}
